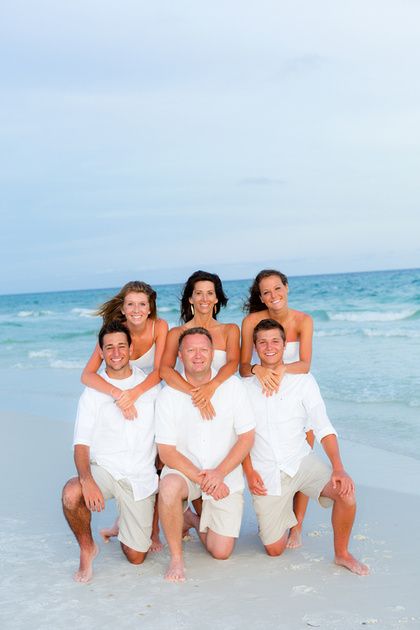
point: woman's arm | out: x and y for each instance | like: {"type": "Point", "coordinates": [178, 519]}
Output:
{"type": "Point", "coordinates": [168, 361]}
{"type": "Point", "coordinates": [247, 345]}
{"type": "Point", "coordinates": [92, 379]}
{"type": "Point", "coordinates": [202, 395]}
{"type": "Point", "coordinates": [305, 347]}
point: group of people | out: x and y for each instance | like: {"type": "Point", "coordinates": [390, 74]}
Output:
{"type": "Point", "coordinates": [168, 429]}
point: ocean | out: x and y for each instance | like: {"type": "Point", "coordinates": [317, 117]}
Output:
{"type": "Point", "coordinates": [366, 349]}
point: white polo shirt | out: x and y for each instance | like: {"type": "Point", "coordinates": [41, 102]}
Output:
{"type": "Point", "coordinates": [206, 442]}
{"type": "Point", "coordinates": [125, 448]}
{"type": "Point", "coordinates": [280, 438]}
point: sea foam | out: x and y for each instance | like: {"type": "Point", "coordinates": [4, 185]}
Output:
{"type": "Point", "coordinates": [372, 316]}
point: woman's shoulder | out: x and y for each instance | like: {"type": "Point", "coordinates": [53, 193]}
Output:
{"type": "Point", "coordinates": [252, 319]}
{"type": "Point", "coordinates": [301, 319]}
{"type": "Point", "coordinates": [161, 325]}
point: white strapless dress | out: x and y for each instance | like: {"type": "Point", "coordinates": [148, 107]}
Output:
{"type": "Point", "coordinates": [147, 360]}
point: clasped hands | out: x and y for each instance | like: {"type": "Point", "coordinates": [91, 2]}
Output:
{"type": "Point", "coordinates": [201, 399]}
{"type": "Point", "coordinates": [212, 483]}
{"type": "Point", "coordinates": [270, 379]}
{"type": "Point", "coordinates": [124, 399]}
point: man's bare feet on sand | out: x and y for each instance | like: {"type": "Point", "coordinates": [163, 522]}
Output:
{"type": "Point", "coordinates": [295, 538]}
{"type": "Point", "coordinates": [353, 565]}
{"type": "Point", "coordinates": [109, 532]}
{"type": "Point", "coordinates": [87, 556]}
{"type": "Point", "coordinates": [156, 545]}
{"type": "Point", "coordinates": [176, 571]}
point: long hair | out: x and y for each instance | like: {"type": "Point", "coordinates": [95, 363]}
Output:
{"type": "Point", "coordinates": [253, 303]}
{"type": "Point", "coordinates": [198, 276]}
{"type": "Point", "coordinates": [111, 309]}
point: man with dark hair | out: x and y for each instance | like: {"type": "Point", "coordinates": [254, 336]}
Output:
{"type": "Point", "coordinates": [114, 457]}
{"type": "Point", "coordinates": [202, 457]}
{"type": "Point", "coordinates": [281, 462]}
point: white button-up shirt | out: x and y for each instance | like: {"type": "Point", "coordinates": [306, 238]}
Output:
{"type": "Point", "coordinates": [280, 438]}
{"type": "Point", "coordinates": [125, 448]}
{"type": "Point", "coordinates": [206, 442]}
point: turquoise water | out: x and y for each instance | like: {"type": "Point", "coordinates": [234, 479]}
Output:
{"type": "Point", "coordinates": [366, 348]}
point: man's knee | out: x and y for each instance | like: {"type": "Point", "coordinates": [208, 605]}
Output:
{"type": "Point", "coordinates": [133, 556]}
{"type": "Point", "coordinates": [277, 548]}
{"type": "Point", "coordinates": [72, 494]}
{"type": "Point", "coordinates": [221, 554]}
{"type": "Point", "coordinates": [348, 500]}
{"type": "Point", "coordinates": [220, 549]}
{"type": "Point", "coordinates": [172, 489]}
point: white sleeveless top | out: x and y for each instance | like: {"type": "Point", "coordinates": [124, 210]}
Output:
{"type": "Point", "coordinates": [147, 360]}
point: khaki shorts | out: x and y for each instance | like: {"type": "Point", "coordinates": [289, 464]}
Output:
{"type": "Point", "coordinates": [223, 517]}
{"type": "Point", "coordinates": [275, 513]}
{"type": "Point", "coordinates": [135, 517]}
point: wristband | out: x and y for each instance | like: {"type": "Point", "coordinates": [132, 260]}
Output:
{"type": "Point", "coordinates": [252, 368]}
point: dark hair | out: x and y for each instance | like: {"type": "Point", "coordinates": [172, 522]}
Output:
{"type": "Point", "coordinates": [199, 276]}
{"type": "Point", "coordinates": [253, 303]}
{"type": "Point", "coordinates": [268, 324]}
{"type": "Point", "coordinates": [197, 330]}
{"type": "Point", "coordinates": [113, 326]}
{"type": "Point", "coordinates": [112, 308]}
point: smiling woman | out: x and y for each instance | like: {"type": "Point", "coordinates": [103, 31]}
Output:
{"type": "Point", "coordinates": [201, 301]}
{"type": "Point", "coordinates": [134, 305]}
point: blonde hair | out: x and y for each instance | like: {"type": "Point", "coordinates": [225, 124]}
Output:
{"type": "Point", "coordinates": [112, 309]}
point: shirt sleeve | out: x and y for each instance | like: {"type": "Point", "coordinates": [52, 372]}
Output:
{"type": "Point", "coordinates": [85, 419]}
{"type": "Point", "coordinates": [165, 419]}
{"type": "Point", "coordinates": [315, 408]}
{"type": "Point", "coordinates": [244, 414]}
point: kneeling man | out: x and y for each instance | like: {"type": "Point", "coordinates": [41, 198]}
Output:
{"type": "Point", "coordinates": [114, 457]}
{"type": "Point", "coordinates": [202, 457]}
{"type": "Point", "coordinates": [281, 462]}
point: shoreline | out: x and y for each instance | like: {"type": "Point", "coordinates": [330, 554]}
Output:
{"type": "Point", "coordinates": [303, 588]}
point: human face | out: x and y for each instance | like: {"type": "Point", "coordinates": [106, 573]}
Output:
{"type": "Point", "coordinates": [136, 308]}
{"type": "Point", "coordinates": [196, 353]}
{"type": "Point", "coordinates": [116, 353]}
{"type": "Point", "coordinates": [273, 293]}
{"type": "Point", "coordinates": [270, 347]}
{"type": "Point", "coordinates": [203, 297]}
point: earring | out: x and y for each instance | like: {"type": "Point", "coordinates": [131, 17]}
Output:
{"type": "Point", "coordinates": [192, 309]}
{"type": "Point", "coordinates": [215, 309]}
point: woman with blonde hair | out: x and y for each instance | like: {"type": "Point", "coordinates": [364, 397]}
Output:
{"type": "Point", "coordinates": [135, 306]}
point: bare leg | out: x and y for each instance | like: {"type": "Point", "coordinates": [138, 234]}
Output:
{"type": "Point", "coordinates": [110, 532]}
{"type": "Point", "coordinates": [173, 490]}
{"type": "Point", "coordinates": [78, 517]}
{"type": "Point", "coordinates": [300, 503]}
{"type": "Point", "coordinates": [343, 514]}
{"type": "Point", "coordinates": [156, 542]}
{"type": "Point", "coordinates": [220, 547]}
{"type": "Point", "coordinates": [198, 506]}
{"type": "Point", "coordinates": [133, 556]}
{"type": "Point", "coordinates": [277, 548]}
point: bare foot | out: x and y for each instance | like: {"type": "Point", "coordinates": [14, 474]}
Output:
{"type": "Point", "coordinates": [87, 556]}
{"type": "Point", "coordinates": [353, 565]}
{"type": "Point", "coordinates": [109, 532]}
{"type": "Point", "coordinates": [156, 545]}
{"type": "Point", "coordinates": [191, 520]}
{"type": "Point", "coordinates": [175, 572]}
{"type": "Point", "coordinates": [295, 538]}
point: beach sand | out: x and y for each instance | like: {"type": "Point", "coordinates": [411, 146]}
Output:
{"type": "Point", "coordinates": [302, 589]}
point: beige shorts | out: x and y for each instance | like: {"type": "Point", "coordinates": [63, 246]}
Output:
{"type": "Point", "coordinates": [275, 513]}
{"type": "Point", "coordinates": [135, 517]}
{"type": "Point", "coordinates": [223, 517]}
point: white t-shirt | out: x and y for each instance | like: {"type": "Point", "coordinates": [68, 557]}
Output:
{"type": "Point", "coordinates": [280, 438]}
{"type": "Point", "coordinates": [206, 442]}
{"type": "Point", "coordinates": [125, 448]}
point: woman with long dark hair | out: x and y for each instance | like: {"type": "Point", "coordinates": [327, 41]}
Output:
{"type": "Point", "coordinates": [202, 298]}
{"type": "Point", "coordinates": [268, 299]}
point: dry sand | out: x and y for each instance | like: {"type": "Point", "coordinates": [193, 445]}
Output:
{"type": "Point", "coordinates": [302, 589]}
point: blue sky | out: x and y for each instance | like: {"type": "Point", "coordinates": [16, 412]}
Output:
{"type": "Point", "coordinates": [145, 140]}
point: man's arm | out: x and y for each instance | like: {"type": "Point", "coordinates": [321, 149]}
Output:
{"type": "Point", "coordinates": [238, 452]}
{"type": "Point", "coordinates": [91, 493]}
{"type": "Point", "coordinates": [339, 478]}
{"type": "Point", "coordinates": [174, 459]}
{"type": "Point", "coordinates": [253, 477]}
